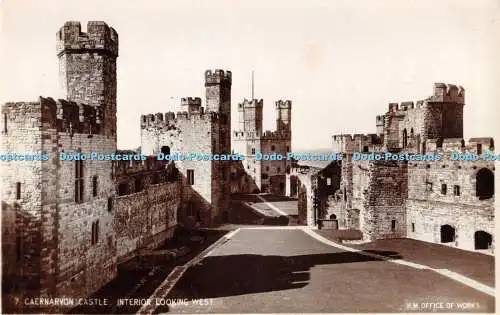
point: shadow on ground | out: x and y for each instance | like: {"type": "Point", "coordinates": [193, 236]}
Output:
{"type": "Point", "coordinates": [224, 276]}
{"type": "Point", "coordinates": [138, 279]}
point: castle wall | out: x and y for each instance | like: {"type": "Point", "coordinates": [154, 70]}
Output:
{"type": "Point", "coordinates": [21, 217]}
{"type": "Point", "coordinates": [430, 205]}
{"type": "Point", "coordinates": [146, 218]}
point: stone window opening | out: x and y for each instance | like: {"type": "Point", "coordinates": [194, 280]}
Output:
{"type": "Point", "coordinates": [165, 150]}
{"type": "Point", "coordinates": [479, 148]}
{"type": "Point", "coordinates": [190, 177]}
{"type": "Point", "coordinates": [253, 150]}
{"type": "Point", "coordinates": [413, 227]}
{"type": "Point", "coordinates": [365, 149]}
{"type": "Point", "coordinates": [18, 190]}
{"type": "Point", "coordinates": [273, 148]}
{"type": "Point", "coordinates": [393, 225]}
{"type": "Point", "coordinates": [447, 233]}
{"type": "Point", "coordinates": [287, 149]}
{"type": "Point", "coordinates": [485, 184]}
{"type": "Point", "coordinates": [456, 190]}
{"type": "Point", "coordinates": [95, 233]}
{"type": "Point", "coordinates": [79, 182]}
{"type": "Point", "coordinates": [94, 186]}
{"type": "Point", "coordinates": [5, 123]}
{"type": "Point", "coordinates": [492, 144]}
{"type": "Point", "coordinates": [278, 169]}
{"type": "Point", "coordinates": [110, 204]}
{"type": "Point", "coordinates": [444, 189]}
{"type": "Point", "coordinates": [267, 168]}
{"type": "Point", "coordinates": [405, 138]}
{"type": "Point", "coordinates": [411, 133]}
{"type": "Point", "coordinates": [138, 185]}
{"type": "Point", "coordinates": [482, 240]}
{"type": "Point", "coordinates": [428, 186]}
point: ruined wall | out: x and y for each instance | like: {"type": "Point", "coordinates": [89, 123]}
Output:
{"type": "Point", "coordinates": [444, 193]}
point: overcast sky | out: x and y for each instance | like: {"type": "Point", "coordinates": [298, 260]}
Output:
{"type": "Point", "coordinates": [340, 62]}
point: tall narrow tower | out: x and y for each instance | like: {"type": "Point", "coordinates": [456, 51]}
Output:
{"type": "Point", "coordinates": [218, 95]}
{"type": "Point", "coordinates": [87, 68]}
{"type": "Point", "coordinates": [284, 117]}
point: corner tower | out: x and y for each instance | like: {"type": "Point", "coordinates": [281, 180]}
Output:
{"type": "Point", "coordinates": [87, 68]}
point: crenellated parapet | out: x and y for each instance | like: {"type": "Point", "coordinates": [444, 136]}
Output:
{"type": "Point", "coordinates": [255, 103]}
{"type": "Point", "coordinates": [275, 135]}
{"type": "Point", "coordinates": [448, 93]}
{"type": "Point", "coordinates": [459, 145]}
{"type": "Point", "coordinates": [99, 38]}
{"type": "Point", "coordinates": [356, 142]}
{"type": "Point", "coordinates": [193, 104]}
{"type": "Point", "coordinates": [405, 106]}
{"type": "Point", "coordinates": [287, 104]}
{"type": "Point", "coordinates": [170, 120]}
{"type": "Point", "coordinates": [61, 115]}
{"type": "Point", "coordinates": [136, 165]}
{"type": "Point", "coordinates": [217, 77]}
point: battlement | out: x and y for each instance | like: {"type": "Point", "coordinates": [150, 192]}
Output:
{"type": "Point", "coordinates": [193, 104]}
{"type": "Point", "coordinates": [169, 120]}
{"type": "Point", "coordinates": [217, 77]}
{"type": "Point", "coordinates": [405, 106]}
{"type": "Point", "coordinates": [62, 115]}
{"type": "Point", "coordinates": [274, 135]}
{"type": "Point", "coordinates": [474, 145]}
{"type": "Point", "coordinates": [356, 142]}
{"type": "Point", "coordinates": [190, 101]}
{"type": "Point", "coordinates": [251, 103]}
{"type": "Point", "coordinates": [380, 119]}
{"type": "Point", "coordinates": [449, 93]}
{"type": "Point", "coordinates": [100, 38]}
{"type": "Point", "coordinates": [283, 104]}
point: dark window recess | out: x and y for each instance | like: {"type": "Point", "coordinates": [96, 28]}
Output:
{"type": "Point", "coordinates": [123, 189]}
{"type": "Point", "coordinates": [79, 184]}
{"type": "Point", "coordinates": [479, 148]}
{"type": "Point", "coordinates": [278, 169]}
{"type": "Point", "coordinates": [138, 185]}
{"type": "Point", "coordinates": [393, 225]}
{"type": "Point", "coordinates": [428, 186]}
{"type": "Point", "coordinates": [253, 150]}
{"type": "Point", "coordinates": [95, 233]}
{"type": "Point", "coordinates": [444, 189]}
{"type": "Point", "coordinates": [287, 149]}
{"type": "Point", "coordinates": [190, 177]}
{"type": "Point", "coordinates": [413, 227]}
{"type": "Point", "coordinates": [4, 123]}
{"type": "Point", "coordinates": [365, 148]}
{"type": "Point", "coordinates": [456, 190]}
{"type": "Point", "coordinates": [273, 148]}
{"type": "Point", "coordinates": [110, 204]}
{"type": "Point", "coordinates": [94, 186]}
{"type": "Point", "coordinates": [485, 184]}
{"type": "Point", "coordinates": [18, 190]}
{"type": "Point", "coordinates": [165, 150]}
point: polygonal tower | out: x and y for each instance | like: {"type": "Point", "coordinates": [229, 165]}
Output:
{"type": "Point", "coordinates": [218, 99]}
{"type": "Point", "coordinates": [87, 68]}
{"type": "Point", "coordinates": [284, 117]}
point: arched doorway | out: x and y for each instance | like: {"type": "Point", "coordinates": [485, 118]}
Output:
{"type": "Point", "coordinates": [482, 240]}
{"type": "Point", "coordinates": [447, 233]}
{"type": "Point", "coordinates": [485, 184]}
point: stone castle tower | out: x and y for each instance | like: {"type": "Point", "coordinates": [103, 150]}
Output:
{"type": "Point", "coordinates": [87, 68]}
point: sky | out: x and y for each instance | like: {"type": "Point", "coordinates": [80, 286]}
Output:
{"type": "Point", "coordinates": [340, 62]}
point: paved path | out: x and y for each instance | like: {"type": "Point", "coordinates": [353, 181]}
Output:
{"type": "Point", "coordinates": [289, 269]}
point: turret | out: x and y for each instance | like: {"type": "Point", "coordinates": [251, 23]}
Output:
{"type": "Point", "coordinates": [87, 67]}
{"type": "Point", "coordinates": [284, 116]}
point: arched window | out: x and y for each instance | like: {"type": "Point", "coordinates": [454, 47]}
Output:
{"type": "Point", "coordinates": [411, 133]}
{"type": "Point", "coordinates": [482, 240]}
{"type": "Point", "coordinates": [165, 150]}
{"type": "Point", "coordinates": [447, 233]}
{"type": "Point", "coordinates": [485, 184]}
